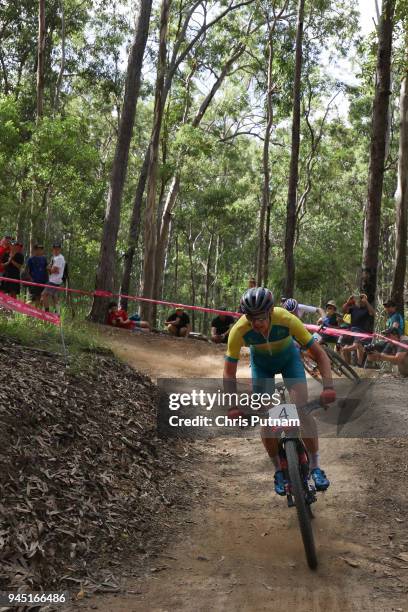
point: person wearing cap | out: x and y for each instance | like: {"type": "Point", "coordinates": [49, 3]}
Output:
{"type": "Point", "coordinates": [36, 268]}
{"type": "Point", "coordinates": [394, 330]}
{"type": "Point", "coordinates": [55, 280]}
{"type": "Point", "coordinates": [395, 318]}
{"type": "Point", "coordinates": [178, 323]}
{"type": "Point", "coordinates": [331, 318]}
{"type": "Point", "coordinates": [220, 327]}
{"type": "Point", "coordinates": [12, 269]}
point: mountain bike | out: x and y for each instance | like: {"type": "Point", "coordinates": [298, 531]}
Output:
{"type": "Point", "coordinates": [338, 365]}
{"type": "Point", "coordinates": [294, 458]}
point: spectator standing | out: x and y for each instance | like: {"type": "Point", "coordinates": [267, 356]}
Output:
{"type": "Point", "coordinates": [220, 327]}
{"type": "Point", "coordinates": [178, 323]}
{"type": "Point", "coordinates": [37, 272]}
{"type": "Point", "coordinates": [55, 280]}
{"type": "Point", "coordinates": [362, 321]}
{"type": "Point", "coordinates": [12, 269]}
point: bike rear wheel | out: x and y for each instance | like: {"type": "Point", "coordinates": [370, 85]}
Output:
{"type": "Point", "coordinates": [340, 366]}
{"type": "Point", "coordinates": [303, 512]}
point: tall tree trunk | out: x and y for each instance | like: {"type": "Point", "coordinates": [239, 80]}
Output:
{"type": "Point", "coordinates": [207, 282]}
{"type": "Point", "coordinates": [192, 278]}
{"type": "Point", "coordinates": [175, 184]}
{"type": "Point", "coordinates": [294, 160]}
{"type": "Point", "coordinates": [178, 56]}
{"type": "Point", "coordinates": [401, 201]}
{"type": "Point", "coordinates": [105, 272]}
{"type": "Point", "coordinates": [150, 233]}
{"type": "Point", "coordinates": [40, 58]}
{"type": "Point", "coordinates": [377, 152]}
{"type": "Point", "coordinates": [266, 196]}
{"type": "Point", "coordinates": [62, 65]}
{"type": "Point", "coordinates": [134, 229]}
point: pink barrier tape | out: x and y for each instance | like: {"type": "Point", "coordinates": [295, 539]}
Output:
{"type": "Point", "coordinates": [331, 331]}
{"type": "Point", "coordinates": [28, 310]}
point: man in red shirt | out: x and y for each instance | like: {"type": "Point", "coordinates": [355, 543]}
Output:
{"type": "Point", "coordinates": [5, 245]}
{"type": "Point", "coordinates": [118, 317]}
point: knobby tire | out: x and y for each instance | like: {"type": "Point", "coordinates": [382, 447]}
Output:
{"type": "Point", "coordinates": [339, 365]}
{"type": "Point", "coordinates": [303, 512]}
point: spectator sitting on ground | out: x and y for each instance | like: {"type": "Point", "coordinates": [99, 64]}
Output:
{"type": "Point", "coordinates": [37, 272]}
{"type": "Point", "coordinates": [137, 319]}
{"type": "Point", "coordinates": [178, 323]}
{"type": "Point", "coordinates": [5, 246]}
{"type": "Point", "coordinates": [118, 317]}
{"type": "Point", "coordinates": [394, 328]}
{"type": "Point", "coordinates": [12, 269]}
{"type": "Point", "coordinates": [401, 357]}
{"type": "Point", "coordinates": [220, 327]}
{"type": "Point", "coordinates": [362, 321]}
{"type": "Point", "coordinates": [55, 280]}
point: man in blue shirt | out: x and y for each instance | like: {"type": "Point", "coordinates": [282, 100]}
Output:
{"type": "Point", "coordinates": [395, 319]}
{"type": "Point", "coordinates": [37, 272]}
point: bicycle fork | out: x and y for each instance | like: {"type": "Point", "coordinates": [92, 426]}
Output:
{"type": "Point", "coordinates": [309, 489]}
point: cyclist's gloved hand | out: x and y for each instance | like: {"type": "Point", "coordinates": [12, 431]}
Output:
{"type": "Point", "coordinates": [327, 396]}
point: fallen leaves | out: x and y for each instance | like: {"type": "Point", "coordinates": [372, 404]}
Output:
{"type": "Point", "coordinates": [83, 473]}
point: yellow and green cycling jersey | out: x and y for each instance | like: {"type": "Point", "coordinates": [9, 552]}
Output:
{"type": "Point", "coordinates": [283, 327]}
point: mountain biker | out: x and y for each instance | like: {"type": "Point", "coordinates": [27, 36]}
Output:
{"type": "Point", "coordinates": [269, 332]}
{"type": "Point", "coordinates": [299, 310]}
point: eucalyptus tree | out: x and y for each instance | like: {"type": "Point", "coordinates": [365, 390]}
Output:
{"type": "Point", "coordinates": [379, 131]}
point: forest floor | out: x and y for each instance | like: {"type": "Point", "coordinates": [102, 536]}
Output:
{"type": "Point", "coordinates": [239, 549]}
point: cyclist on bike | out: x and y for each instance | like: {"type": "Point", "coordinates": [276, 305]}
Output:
{"type": "Point", "coordinates": [269, 332]}
{"type": "Point", "coordinates": [299, 310]}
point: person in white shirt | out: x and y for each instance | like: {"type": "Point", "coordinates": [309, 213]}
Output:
{"type": "Point", "coordinates": [55, 280]}
{"type": "Point", "coordinates": [293, 306]}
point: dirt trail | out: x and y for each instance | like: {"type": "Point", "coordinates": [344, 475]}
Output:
{"type": "Point", "coordinates": [241, 550]}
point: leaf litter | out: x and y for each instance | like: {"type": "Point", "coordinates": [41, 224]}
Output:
{"type": "Point", "coordinates": [84, 479]}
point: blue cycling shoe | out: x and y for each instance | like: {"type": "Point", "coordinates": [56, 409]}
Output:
{"type": "Point", "coordinates": [320, 479]}
{"type": "Point", "coordinates": [279, 483]}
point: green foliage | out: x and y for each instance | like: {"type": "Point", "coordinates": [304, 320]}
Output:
{"type": "Point", "coordinates": [54, 173]}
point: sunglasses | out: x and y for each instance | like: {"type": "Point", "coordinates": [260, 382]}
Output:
{"type": "Point", "coordinates": [262, 318]}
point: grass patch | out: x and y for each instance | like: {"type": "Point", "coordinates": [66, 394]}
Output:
{"type": "Point", "coordinates": [78, 335]}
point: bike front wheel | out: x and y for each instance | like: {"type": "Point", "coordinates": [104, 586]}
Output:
{"type": "Point", "coordinates": [298, 492]}
{"type": "Point", "coordinates": [341, 367]}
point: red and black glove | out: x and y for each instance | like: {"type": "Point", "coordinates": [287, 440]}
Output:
{"type": "Point", "coordinates": [327, 396]}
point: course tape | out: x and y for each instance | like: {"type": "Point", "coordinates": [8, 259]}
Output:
{"type": "Point", "coordinates": [331, 331]}
{"type": "Point", "coordinates": [26, 309]}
